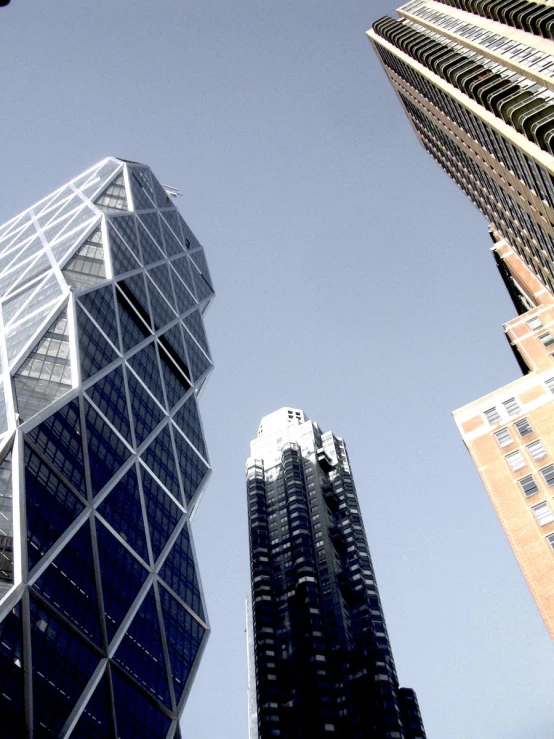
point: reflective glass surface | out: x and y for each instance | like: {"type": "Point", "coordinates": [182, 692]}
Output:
{"type": "Point", "coordinates": [193, 322]}
{"type": "Point", "coordinates": [96, 720]}
{"type": "Point", "coordinates": [100, 305]}
{"type": "Point", "coordinates": [160, 459]}
{"type": "Point", "coordinates": [95, 350]}
{"type": "Point", "coordinates": [122, 257]}
{"type": "Point", "coordinates": [150, 250]}
{"type": "Point", "coordinates": [162, 513]}
{"type": "Point", "coordinates": [106, 450]}
{"type": "Point", "coordinates": [179, 572]}
{"type": "Point", "coordinates": [187, 419]}
{"type": "Point", "coordinates": [110, 397]}
{"type": "Point", "coordinates": [193, 469]}
{"type": "Point", "coordinates": [137, 716]}
{"type": "Point", "coordinates": [147, 414]}
{"type": "Point", "coordinates": [11, 674]}
{"type": "Point", "coordinates": [146, 366]}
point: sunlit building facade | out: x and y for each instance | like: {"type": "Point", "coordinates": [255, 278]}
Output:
{"type": "Point", "coordinates": [102, 459]}
{"type": "Point", "coordinates": [320, 659]}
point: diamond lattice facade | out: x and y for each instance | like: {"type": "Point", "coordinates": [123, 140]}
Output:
{"type": "Point", "coordinates": [102, 459]}
{"type": "Point", "coordinates": [320, 659]}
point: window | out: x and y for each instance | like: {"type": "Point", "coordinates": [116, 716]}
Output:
{"type": "Point", "coordinates": [523, 427]}
{"type": "Point", "coordinates": [528, 485]}
{"type": "Point", "coordinates": [536, 450]}
{"type": "Point", "coordinates": [492, 416]}
{"type": "Point", "coordinates": [543, 514]}
{"type": "Point", "coordinates": [512, 406]}
{"type": "Point", "coordinates": [550, 540]}
{"type": "Point", "coordinates": [550, 384]}
{"type": "Point", "coordinates": [515, 460]}
{"type": "Point", "coordinates": [534, 323]}
{"type": "Point", "coordinates": [548, 474]}
{"type": "Point", "coordinates": [547, 339]}
{"type": "Point", "coordinates": [504, 437]}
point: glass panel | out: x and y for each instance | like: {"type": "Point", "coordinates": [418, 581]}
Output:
{"type": "Point", "coordinates": [185, 299]}
{"type": "Point", "coordinates": [106, 450]}
{"type": "Point", "coordinates": [160, 458]}
{"type": "Point", "coordinates": [162, 198]}
{"type": "Point", "coordinates": [179, 572]}
{"type": "Point", "coordinates": [6, 524]}
{"type": "Point", "coordinates": [147, 414]}
{"type": "Point", "coordinates": [133, 330]}
{"type": "Point", "coordinates": [150, 251]}
{"type": "Point", "coordinates": [134, 289]}
{"type": "Point", "coordinates": [69, 584]}
{"type": "Point", "coordinates": [176, 384]}
{"type": "Point", "coordinates": [122, 258]}
{"type": "Point", "coordinates": [23, 332]}
{"type": "Point", "coordinates": [173, 342]}
{"type": "Point", "coordinates": [162, 513]}
{"type": "Point", "coordinates": [199, 363]}
{"type": "Point", "coordinates": [3, 413]}
{"type": "Point", "coordinates": [141, 653]}
{"type": "Point", "coordinates": [161, 311]}
{"type": "Point", "coordinates": [188, 420]}
{"type": "Point", "coordinates": [122, 509]}
{"type": "Point", "coordinates": [96, 719]}
{"type": "Point", "coordinates": [152, 224]}
{"type": "Point", "coordinates": [145, 364]}
{"type": "Point", "coordinates": [110, 397]}
{"type": "Point", "coordinates": [184, 635]}
{"type": "Point", "coordinates": [202, 287]}
{"type": "Point", "coordinates": [59, 439]}
{"type": "Point", "coordinates": [199, 258]}
{"type": "Point", "coordinates": [87, 266]}
{"type": "Point", "coordinates": [127, 230]}
{"type": "Point", "coordinates": [173, 221]}
{"type": "Point", "coordinates": [100, 305]}
{"type": "Point", "coordinates": [193, 469]}
{"type": "Point", "coordinates": [122, 578]}
{"type": "Point", "coordinates": [143, 176]}
{"type": "Point", "coordinates": [114, 197]}
{"type": "Point", "coordinates": [137, 716]}
{"type": "Point", "coordinates": [51, 507]}
{"type": "Point", "coordinates": [193, 322]}
{"type": "Point", "coordinates": [160, 276]}
{"type": "Point", "coordinates": [11, 675]}
{"type": "Point", "coordinates": [33, 269]}
{"type": "Point", "coordinates": [141, 201]}
{"type": "Point", "coordinates": [95, 350]}
{"type": "Point", "coordinates": [172, 246]}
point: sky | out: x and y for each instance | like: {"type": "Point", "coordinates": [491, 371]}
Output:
{"type": "Point", "coordinates": [354, 281]}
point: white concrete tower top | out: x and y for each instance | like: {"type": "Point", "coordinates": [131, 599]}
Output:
{"type": "Point", "coordinates": [279, 420]}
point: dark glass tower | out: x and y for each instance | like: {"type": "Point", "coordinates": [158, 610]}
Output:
{"type": "Point", "coordinates": [322, 659]}
{"type": "Point", "coordinates": [102, 459]}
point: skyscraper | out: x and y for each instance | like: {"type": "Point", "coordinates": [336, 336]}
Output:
{"type": "Point", "coordinates": [103, 459]}
{"type": "Point", "coordinates": [476, 79]}
{"type": "Point", "coordinates": [323, 664]}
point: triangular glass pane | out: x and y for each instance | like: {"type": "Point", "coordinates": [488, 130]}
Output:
{"type": "Point", "coordinates": [141, 200]}
{"type": "Point", "coordinates": [193, 322]}
{"type": "Point", "coordinates": [176, 383]}
{"type": "Point", "coordinates": [203, 289]}
{"type": "Point", "coordinates": [179, 572]}
{"type": "Point", "coordinates": [160, 276]}
{"type": "Point", "coordinates": [137, 717]}
{"type": "Point", "coordinates": [185, 299]}
{"type": "Point", "coordinates": [134, 289]}
{"type": "Point", "coordinates": [187, 419]}
{"type": "Point", "coordinates": [143, 175]}
{"type": "Point", "coordinates": [161, 310]}
{"type": "Point", "coordinates": [122, 258]}
{"type": "Point", "coordinates": [193, 469]}
{"type": "Point", "coordinates": [87, 266]}
{"type": "Point", "coordinates": [199, 362]}
{"type": "Point", "coordinates": [65, 229]}
{"type": "Point", "coordinates": [150, 250]}
{"type": "Point", "coordinates": [110, 397]}
{"type": "Point", "coordinates": [18, 254]}
{"type": "Point", "coordinates": [100, 305]}
{"type": "Point", "coordinates": [172, 245]}
{"type": "Point", "coordinates": [122, 577]}
{"type": "Point", "coordinates": [12, 305]}
{"type": "Point", "coordinates": [69, 584]}
{"type": "Point", "coordinates": [172, 342]}
{"type": "Point", "coordinates": [140, 653]}
{"type": "Point", "coordinates": [61, 210]}
{"type": "Point", "coordinates": [183, 268]}
{"type": "Point", "coordinates": [114, 196]}
{"type": "Point", "coordinates": [122, 509]}
{"type": "Point", "coordinates": [96, 718]}
{"type": "Point", "coordinates": [11, 675]}
{"type": "Point", "coordinates": [173, 221]}
{"type": "Point", "coordinates": [95, 350]}
{"type": "Point", "coordinates": [107, 452]}
{"type": "Point", "coordinates": [162, 513]}
{"type": "Point", "coordinates": [147, 414]}
{"type": "Point", "coordinates": [51, 506]}
{"type": "Point", "coordinates": [152, 224]}
{"type": "Point", "coordinates": [59, 439]}
{"type": "Point", "coordinates": [126, 227]}
{"type": "Point", "coordinates": [23, 332]}
{"type": "Point", "coordinates": [34, 268]}
{"type": "Point", "coordinates": [184, 636]}
{"type": "Point", "coordinates": [133, 330]}
{"type": "Point", "coordinates": [63, 248]}
{"type": "Point", "coordinates": [6, 524]}
{"type": "Point", "coordinates": [160, 458]}
{"type": "Point", "coordinates": [145, 364]}
{"type": "Point", "coordinates": [62, 666]}
{"type": "Point", "coordinates": [162, 198]}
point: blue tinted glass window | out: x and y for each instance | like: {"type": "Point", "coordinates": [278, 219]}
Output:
{"type": "Point", "coordinates": [106, 450]}
{"type": "Point", "coordinates": [161, 311]}
{"type": "Point", "coordinates": [173, 220]}
{"type": "Point", "coordinates": [109, 395]}
{"type": "Point", "coordinates": [152, 224]}
{"type": "Point", "coordinates": [100, 305]}
{"type": "Point", "coordinates": [134, 289]}
{"type": "Point", "coordinates": [185, 299]}
{"type": "Point", "coordinates": [198, 361]}
{"type": "Point", "coordinates": [188, 420]}
{"type": "Point", "coordinates": [160, 276]}
{"type": "Point", "coordinates": [59, 439]}
{"type": "Point", "coordinates": [173, 343]}
{"type": "Point", "coordinates": [122, 509]}
{"type": "Point", "coordinates": [184, 635]}
{"type": "Point", "coordinates": [147, 414]}
{"type": "Point", "coordinates": [199, 258]}
{"type": "Point", "coordinates": [6, 523]}
{"type": "Point", "coordinates": [145, 364]}
{"type": "Point", "coordinates": [122, 577]}
{"type": "Point", "coordinates": [162, 513]}
{"type": "Point", "coordinates": [96, 719]}
{"type": "Point", "coordinates": [95, 350]}
{"type": "Point", "coordinates": [202, 287]}
{"type": "Point", "coordinates": [122, 258]}
{"type": "Point", "coordinates": [133, 330]}
{"type": "Point", "coordinates": [160, 458]}
{"type": "Point", "coordinates": [142, 174]}
{"type": "Point", "coordinates": [11, 675]}
{"type": "Point", "coordinates": [183, 269]}
{"type": "Point", "coordinates": [195, 325]}
{"type": "Point", "coordinates": [172, 246]}
{"type": "Point", "coordinates": [51, 506]}
{"type": "Point", "coordinates": [62, 666]}
{"type": "Point", "coordinates": [136, 715]}
{"type": "Point", "coordinates": [176, 383]}
{"type": "Point", "coordinates": [141, 653]}
{"type": "Point", "coordinates": [69, 584]}
{"type": "Point", "coordinates": [141, 199]}
{"type": "Point", "coordinates": [162, 198]}
{"type": "Point", "coordinates": [126, 228]}
{"type": "Point", "coordinates": [193, 469]}
{"type": "Point", "coordinates": [150, 251]}
{"type": "Point", "coordinates": [179, 572]}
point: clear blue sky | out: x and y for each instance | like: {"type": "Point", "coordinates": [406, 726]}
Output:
{"type": "Point", "coordinates": [353, 280]}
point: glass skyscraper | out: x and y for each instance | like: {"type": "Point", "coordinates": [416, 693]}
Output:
{"type": "Point", "coordinates": [102, 459]}
{"type": "Point", "coordinates": [320, 659]}
{"type": "Point", "coordinates": [476, 79]}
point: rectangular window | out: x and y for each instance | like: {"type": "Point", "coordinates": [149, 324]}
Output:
{"type": "Point", "coordinates": [528, 485]}
{"type": "Point", "coordinates": [543, 514]}
{"type": "Point", "coordinates": [547, 339]}
{"type": "Point", "coordinates": [515, 460]}
{"type": "Point", "coordinates": [548, 474]}
{"type": "Point", "coordinates": [534, 323]}
{"type": "Point", "coordinates": [504, 437]}
{"type": "Point", "coordinates": [550, 384]}
{"type": "Point", "coordinates": [523, 427]}
{"type": "Point", "coordinates": [550, 540]}
{"type": "Point", "coordinates": [492, 416]}
{"type": "Point", "coordinates": [536, 450]}
{"type": "Point", "coordinates": [512, 406]}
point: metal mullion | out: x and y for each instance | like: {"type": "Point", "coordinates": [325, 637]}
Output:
{"type": "Point", "coordinates": [83, 699]}
{"type": "Point", "coordinates": [129, 616]}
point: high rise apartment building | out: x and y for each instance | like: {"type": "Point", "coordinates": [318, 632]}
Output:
{"type": "Point", "coordinates": [102, 459]}
{"type": "Point", "coordinates": [476, 79]}
{"type": "Point", "coordinates": [320, 657]}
